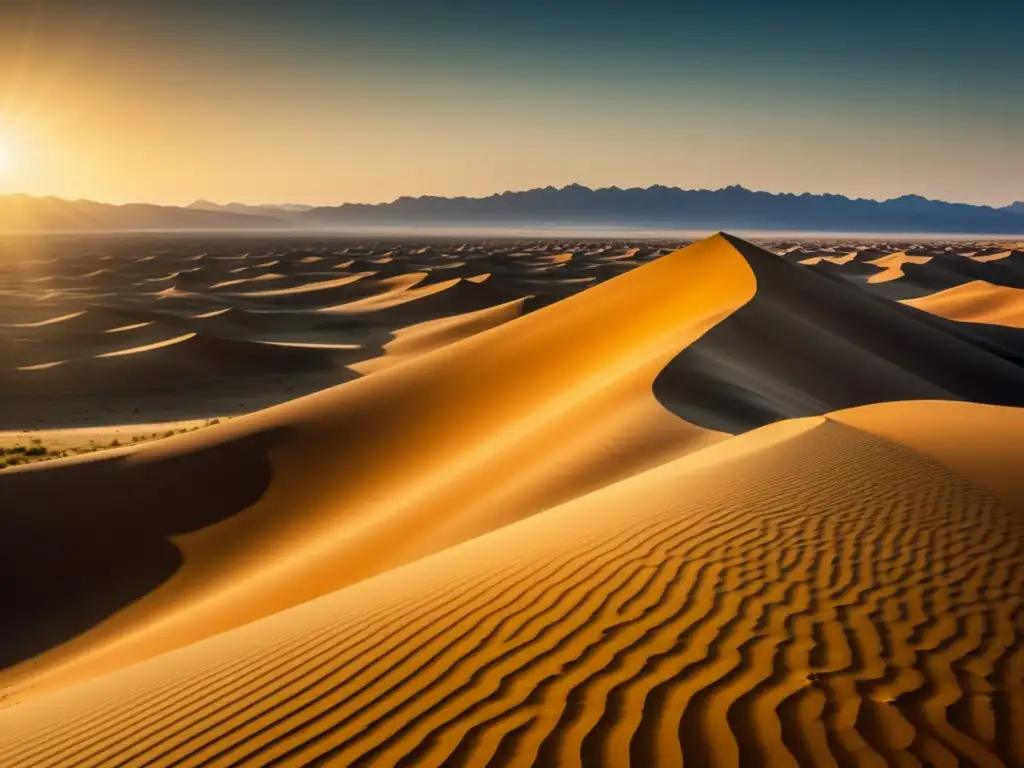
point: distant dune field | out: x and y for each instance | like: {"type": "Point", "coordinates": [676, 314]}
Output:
{"type": "Point", "coordinates": [489, 503]}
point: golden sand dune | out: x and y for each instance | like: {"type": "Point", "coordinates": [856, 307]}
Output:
{"type": "Point", "coordinates": [892, 266]}
{"type": "Point", "coordinates": [245, 280]}
{"type": "Point", "coordinates": [571, 381]}
{"type": "Point", "coordinates": [48, 328]}
{"type": "Point", "coordinates": [408, 306]}
{"type": "Point", "coordinates": [48, 321]}
{"type": "Point", "coordinates": [807, 344]}
{"type": "Point", "coordinates": [997, 256]}
{"type": "Point", "coordinates": [976, 302]}
{"type": "Point", "coordinates": [627, 254]}
{"type": "Point", "coordinates": [865, 612]}
{"type": "Point", "coordinates": [844, 259]}
{"type": "Point", "coordinates": [149, 347]}
{"type": "Point", "coordinates": [434, 334]}
{"type": "Point", "coordinates": [307, 287]}
{"type": "Point", "coordinates": [526, 535]}
{"type": "Point", "coordinates": [915, 272]}
{"type": "Point", "coordinates": [395, 295]}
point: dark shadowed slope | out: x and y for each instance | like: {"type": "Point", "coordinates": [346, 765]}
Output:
{"type": "Point", "coordinates": [806, 345]}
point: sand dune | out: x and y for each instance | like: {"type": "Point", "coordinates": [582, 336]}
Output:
{"type": "Point", "coordinates": [998, 256]}
{"type": "Point", "coordinates": [559, 375]}
{"type": "Point", "coordinates": [844, 259]}
{"type": "Point", "coordinates": [976, 302]}
{"type": "Point", "coordinates": [892, 266]}
{"type": "Point", "coordinates": [660, 516]}
{"type": "Point", "coordinates": [434, 334]}
{"type": "Point", "coordinates": [308, 287]}
{"type": "Point", "coordinates": [643, 624]}
{"type": "Point", "coordinates": [805, 346]}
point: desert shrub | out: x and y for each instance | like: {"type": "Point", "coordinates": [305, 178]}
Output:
{"type": "Point", "coordinates": [37, 450]}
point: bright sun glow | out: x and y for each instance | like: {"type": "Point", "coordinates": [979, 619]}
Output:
{"type": "Point", "coordinates": [6, 159]}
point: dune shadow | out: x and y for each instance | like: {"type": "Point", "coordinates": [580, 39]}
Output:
{"type": "Point", "coordinates": [79, 542]}
{"type": "Point", "coordinates": [808, 344]}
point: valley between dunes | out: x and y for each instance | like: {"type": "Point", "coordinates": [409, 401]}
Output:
{"type": "Point", "coordinates": [722, 507]}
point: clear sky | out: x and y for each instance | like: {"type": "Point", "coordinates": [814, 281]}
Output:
{"type": "Point", "coordinates": [330, 101]}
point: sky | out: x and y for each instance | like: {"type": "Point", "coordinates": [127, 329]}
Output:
{"type": "Point", "coordinates": [332, 101]}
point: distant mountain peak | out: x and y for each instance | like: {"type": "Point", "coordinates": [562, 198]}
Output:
{"type": "Point", "coordinates": [734, 207]}
{"type": "Point", "coordinates": [657, 206]}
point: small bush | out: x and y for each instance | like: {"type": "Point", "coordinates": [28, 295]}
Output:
{"type": "Point", "coordinates": [36, 451]}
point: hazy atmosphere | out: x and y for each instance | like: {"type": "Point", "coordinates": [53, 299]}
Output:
{"type": "Point", "coordinates": [327, 102]}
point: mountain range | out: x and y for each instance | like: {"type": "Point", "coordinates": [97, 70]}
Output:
{"type": "Point", "coordinates": [660, 207]}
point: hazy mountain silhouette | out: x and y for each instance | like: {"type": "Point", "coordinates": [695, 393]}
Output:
{"type": "Point", "coordinates": [282, 209]}
{"type": "Point", "coordinates": [733, 208]}
{"type": "Point", "coordinates": [52, 214]}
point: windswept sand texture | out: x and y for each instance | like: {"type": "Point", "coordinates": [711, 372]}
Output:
{"type": "Point", "coordinates": [557, 503]}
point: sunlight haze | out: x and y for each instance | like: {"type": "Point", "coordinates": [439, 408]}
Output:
{"type": "Point", "coordinates": [335, 102]}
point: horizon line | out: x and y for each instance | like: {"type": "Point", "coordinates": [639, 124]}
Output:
{"type": "Point", "coordinates": [739, 187]}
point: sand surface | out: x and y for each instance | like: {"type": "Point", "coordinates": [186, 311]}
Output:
{"type": "Point", "coordinates": [611, 504]}
{"type": "Point", "coordinates": [976, 302]}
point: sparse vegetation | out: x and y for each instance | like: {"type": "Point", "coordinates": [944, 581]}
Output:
{"type": "Point", "coordinates": [36, 451]}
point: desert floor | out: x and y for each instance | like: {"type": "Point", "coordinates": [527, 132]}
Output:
{"type": "Point", "coordinates": [274, 500]}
